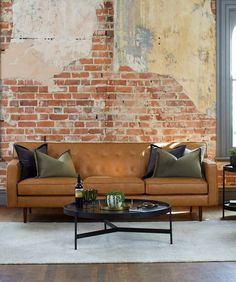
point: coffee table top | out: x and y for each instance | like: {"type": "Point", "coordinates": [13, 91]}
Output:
{"type": "Point", "coordinates": [95, 212]}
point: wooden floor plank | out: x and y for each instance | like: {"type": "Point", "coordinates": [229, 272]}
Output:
{"type": "Point", "coordinates": [125, 272]}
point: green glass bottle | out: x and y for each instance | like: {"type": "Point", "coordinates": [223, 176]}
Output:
{"type": "Point", "coordinates": [79, 189]}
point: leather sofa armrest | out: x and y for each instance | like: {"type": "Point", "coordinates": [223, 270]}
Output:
{"type": "Point", "coordinates": [210, 172]}
{"type": "Point", "coordinates": [13, 177]}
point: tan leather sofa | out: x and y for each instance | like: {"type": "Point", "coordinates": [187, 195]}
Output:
{"type": "Point", "coordinates": [109, 167]}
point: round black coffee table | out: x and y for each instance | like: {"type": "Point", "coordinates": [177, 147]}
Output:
{"type": "Point", "coordinates": [135, 213]}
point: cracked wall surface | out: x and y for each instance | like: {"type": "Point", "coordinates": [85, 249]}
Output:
{"type": "Point", "coordinates": [174, 38]}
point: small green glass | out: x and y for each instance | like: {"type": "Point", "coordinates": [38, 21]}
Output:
{"type": "Point", "coordinates": [90, 196]}
{"type": "Point", "coordinates": [93, 195]}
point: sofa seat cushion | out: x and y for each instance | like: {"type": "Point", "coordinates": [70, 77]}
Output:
{"type": "Point", "coordinates": [47, 186]}
{"type": "Point", "coordinates": [176, 186]}
{"type": "Point", "coordinates": [105, 184]}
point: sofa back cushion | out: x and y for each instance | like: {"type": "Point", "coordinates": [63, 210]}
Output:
{"type": "Point", "coordinates": [105, 159]}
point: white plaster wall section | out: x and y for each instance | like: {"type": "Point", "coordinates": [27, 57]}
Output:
{"type": "Point", "coordinates": [47, 36]}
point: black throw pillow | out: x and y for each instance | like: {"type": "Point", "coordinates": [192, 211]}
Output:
{"type": "Point", "coordinates": [178, 152]}
{"type": "Point", "coordinates": [27, 161]}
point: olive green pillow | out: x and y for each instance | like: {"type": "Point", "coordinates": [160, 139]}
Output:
{"type": "Point", "coordinates": [168, 165]}
{"type": "Point", "coordinates": [50, 167]}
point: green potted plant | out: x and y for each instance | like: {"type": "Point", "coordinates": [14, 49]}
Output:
{"type": "Point", "coordinates": [115, 199]}
{"type": "Point", "coordinates": [232, 153]}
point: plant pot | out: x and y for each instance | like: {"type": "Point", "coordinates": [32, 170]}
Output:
{"type": "Point", "coordinates": [114, 200]}
{"type": "Point", "coordinates": [233, 161]}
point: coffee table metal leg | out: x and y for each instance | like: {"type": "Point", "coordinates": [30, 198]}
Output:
{"type": "Point", "coordinates": [170, 219]}
{"type": "Point", "coordinates": [76, 232]}
{"type": "Point", "coordinates": [223, 196]}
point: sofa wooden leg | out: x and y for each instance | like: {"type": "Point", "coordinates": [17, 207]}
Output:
{"type": "Point", "coordinates": [25, 215]}
{"type": "Point", "coordinates": [30, 210]}
{"type": "Point", "coordinates": [200, 213]}
{"type": "Point", "coordinates": [191, 209]}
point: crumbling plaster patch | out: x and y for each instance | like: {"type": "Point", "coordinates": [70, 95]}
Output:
{"type": "Point", "coordinates": [47, 36]}
{"type": "Point", "coordinates": [181, 43]}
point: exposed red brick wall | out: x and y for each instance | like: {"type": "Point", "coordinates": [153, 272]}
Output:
{"type": "Point", "coordinates": [5, 38]}
{"type": "Point", "coordinates": [5, 23]}
{"type": "Point", "coordinates": [93, 103]}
